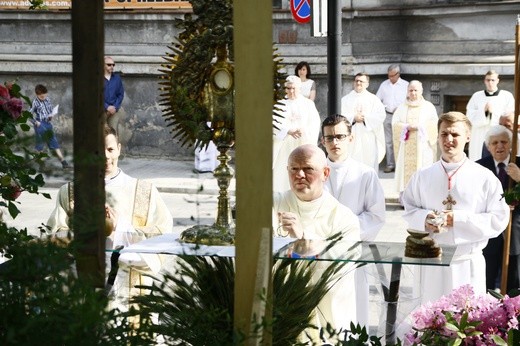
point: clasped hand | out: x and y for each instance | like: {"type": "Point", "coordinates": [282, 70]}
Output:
{"type": "Point", "coordinates": [295, 133]}
{"type": "Point", "coordinates": [289, 224]}
{"type": "Point", "coordinates": [513, 171]}
{"type": "Point", "coordinates": [438, 222]}
{"type": "Point", "coordinates": [110, 220]}
{"type": "Point", "coordinates": [488, 107]}
{"type": "Point", "coordinates": [359, 118]}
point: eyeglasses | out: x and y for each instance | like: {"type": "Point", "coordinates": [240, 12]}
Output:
{"type": "Point", "coordinates": [393, 75]}
{"type": "Point", "coordinates": [110, 64]}
{"type": "Point", "coordinates": [331, 138]}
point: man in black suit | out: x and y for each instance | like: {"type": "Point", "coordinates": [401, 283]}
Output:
{"type": "Point", "coordinates": [498, 142]}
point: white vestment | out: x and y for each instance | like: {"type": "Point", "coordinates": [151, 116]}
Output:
{"type": "Point", "coordinates": [206, 158]}
{"type": "Point", "coordinates": [501, 104]}
{"type": "Point", "coordinates": [302, 114]}
{"type": "Point", "coordinates": [139, 216]}
{"type": "Point", "coordinates": [480, 213]}
{"type": "Point", "coordinates": [357, 186]}
{"type": "Point", "coordinates": [368, 145]}
{"type": "Point", "coordinates": [307, 87]}
{"type": "Point", "coordinates": [121, 196]}
{"type": "Point", "coordinates": [321, 219]}
{"type": "Point", "coordinates": [415, 149]}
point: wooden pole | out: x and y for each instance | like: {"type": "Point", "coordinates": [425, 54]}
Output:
{"type": "Point", "coordinates": [89, 151]}
{"type": "Point", "coordinates": [507, 232]}
{"type": "Point", "coordinates": [252, 22]}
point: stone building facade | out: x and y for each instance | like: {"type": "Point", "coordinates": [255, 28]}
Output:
{"type": "Point", "coordinates": [447, 45]}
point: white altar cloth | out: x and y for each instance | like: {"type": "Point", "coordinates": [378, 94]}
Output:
{"type": "Point", "coordinates": [169, 244]}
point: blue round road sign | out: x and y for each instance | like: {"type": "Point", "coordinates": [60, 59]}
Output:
{"type": "Point", "coordinates": [301, 10]}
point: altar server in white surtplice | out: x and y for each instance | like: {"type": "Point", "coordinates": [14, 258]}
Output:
{"type": "Point", "coordinates": [459, 202]}
{"type": "Point", "coordinates": [307, 211]}
{"type": "Point", "coordinates": [356, 186]}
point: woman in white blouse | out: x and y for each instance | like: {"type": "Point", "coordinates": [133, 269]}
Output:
{"type": "Point", "coordinates": [308, 87]}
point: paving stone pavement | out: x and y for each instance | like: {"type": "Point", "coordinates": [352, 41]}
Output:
{"type": "Point", "coordinates": [196, 192]}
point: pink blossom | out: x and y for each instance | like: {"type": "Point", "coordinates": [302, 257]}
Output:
{"type": "Point", "coordinates": [4, 95]}
{"type": "Point", "coordinates": [494, 316]}
{"type": "Point", "coordinates": [14, 107]}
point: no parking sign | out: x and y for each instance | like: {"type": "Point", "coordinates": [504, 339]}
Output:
{"type": "Point", "coordinates": [301, 10]}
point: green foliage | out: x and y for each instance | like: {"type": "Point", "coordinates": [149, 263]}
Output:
{"type": "Point", "coordinates": [356, 336]}
{"type": "Point", "coordinates": [43, 303]}
{"type": "Point", "coordinates": [195, 305]}
{"type": "Point", "coordinates": [512, 195]}
{"type": "Point", "coordinates": [41, 300]}
{"type": "Point", "coordinates": [17, 172]}
{"type": "Point", "coordinates": [37, 5]}
{"type": "Point", "coordinates": [513, 337]}
{"type": "Point", "coordinates": [294, 299]}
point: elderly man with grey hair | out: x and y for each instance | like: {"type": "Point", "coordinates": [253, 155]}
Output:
{"type": "Point", "coordinates": [298, 123]}
{"type": "Point", "coordinates": [498, 142]}
{"type": "Point", "coordinates": [508, 120]}
{"type": "Point", "coordinates": [307, 211]}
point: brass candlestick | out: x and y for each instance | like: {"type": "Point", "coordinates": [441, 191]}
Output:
{"type": "Point", "coordinates": [222, 232]}
{"type": "Point", "coordinates": [224, 173]}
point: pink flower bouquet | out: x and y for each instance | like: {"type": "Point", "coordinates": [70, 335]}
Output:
{"type": "Point", "coordinates": [462, 318]}
{"type": "Point", "coordinates": [11, 105]}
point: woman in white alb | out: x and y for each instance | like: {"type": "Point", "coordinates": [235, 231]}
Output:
{"type": "Point", "coordinates": [298, 123]}
{"type": "Point", "coordinates": [308, 88]}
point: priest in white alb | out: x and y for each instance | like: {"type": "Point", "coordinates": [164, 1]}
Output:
{"type": "Point", "coordinates": [415, 135]}
{"type": "Point", "coordinates": [307, 211]}
{"type": "Point", "coordinates": [367, 114]}
{"type": "Point", "coordinates": [298, 123]}
{"type": "Point", "coordinates": [484, 109]}
{"type": "Point", "coordinates": [356, 186]}
{"type": "Point", "coordinates": [134, 211]}
{"type": "Point", "coordinates": [459, 203]}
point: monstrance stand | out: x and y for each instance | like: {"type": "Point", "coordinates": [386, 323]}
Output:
{"type": "Point", "coordinates": [219, 100]}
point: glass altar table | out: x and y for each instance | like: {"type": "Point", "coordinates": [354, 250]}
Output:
{"type": "Point", "coordinates": [379, 253]}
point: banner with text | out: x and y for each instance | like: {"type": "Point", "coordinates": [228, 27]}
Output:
{"type": "Point", "coordinates": [109, 4]}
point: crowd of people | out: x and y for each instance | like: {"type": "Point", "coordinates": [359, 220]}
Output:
{"type": "Point", "coordinates": [335, 189]}
{"type": "Point", "coordinates": [436, 177]}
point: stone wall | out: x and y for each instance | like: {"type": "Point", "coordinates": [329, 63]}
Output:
{"type": "Point", "coordinates": [448, 45]}
{"type": "Point", "coordinates": [38, 50]}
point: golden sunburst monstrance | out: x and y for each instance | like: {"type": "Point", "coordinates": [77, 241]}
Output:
{"type": "Point", "coordinates": [197, 85]}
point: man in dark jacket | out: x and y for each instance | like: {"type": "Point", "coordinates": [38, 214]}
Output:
{"type": "Point", "coordinates": [498, 142]}
{"type": "Point", "coordinates": [114, 93]}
